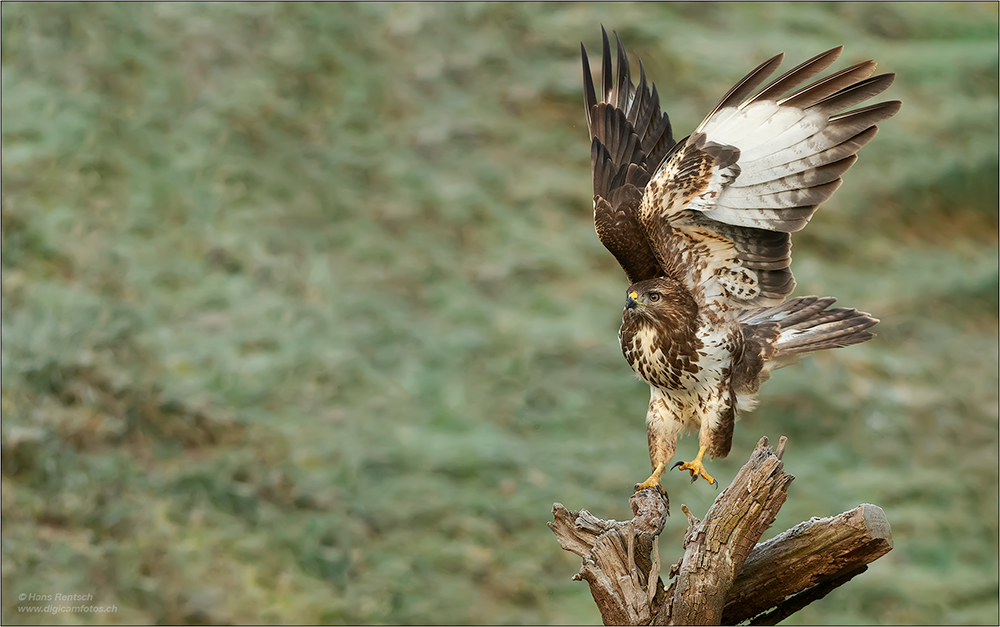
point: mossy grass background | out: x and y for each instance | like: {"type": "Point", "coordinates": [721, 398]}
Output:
{"type": "Point", "coordinates": [304, 318]}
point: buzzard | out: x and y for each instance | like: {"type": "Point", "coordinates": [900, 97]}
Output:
{"type": "Point", "coordinates": [702, 227]}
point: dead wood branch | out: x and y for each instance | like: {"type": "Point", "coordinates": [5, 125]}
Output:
{"type": "Point", "coordinates": [806, 558]}
{"type": "Point", "coordinates": [716, 547]}
{"type": "Point", "coordinates": [617, 560]}
{"type": "Point", "coordinates": [724, 577]}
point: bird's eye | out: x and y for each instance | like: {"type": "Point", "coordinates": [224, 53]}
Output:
{"type": "Point", "coordinates": [654, 297]}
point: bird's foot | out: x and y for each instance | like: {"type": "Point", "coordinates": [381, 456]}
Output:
{"type": "Point", "coordinates": [653, 481]}
{"type": "Point", "coordinates": [696, 468]}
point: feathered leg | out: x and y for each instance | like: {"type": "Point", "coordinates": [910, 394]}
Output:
{"type": "Point", "coordinates": [662, 431]}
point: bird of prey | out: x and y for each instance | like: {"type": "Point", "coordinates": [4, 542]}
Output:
{"type": "Point", "coordinates": [702, 227]}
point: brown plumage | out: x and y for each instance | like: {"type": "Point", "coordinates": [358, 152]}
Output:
{"type": "Point", "coordinates": [702, 228]}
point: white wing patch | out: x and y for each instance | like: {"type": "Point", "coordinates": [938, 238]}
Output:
{"type": "Point", "coordinates": [777, 137]}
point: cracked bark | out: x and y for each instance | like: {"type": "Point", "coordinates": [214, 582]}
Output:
{"type": "Point", "coordinates": [724, 576]}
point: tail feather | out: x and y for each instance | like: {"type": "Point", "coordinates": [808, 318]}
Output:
{"type": "Point", "coordinates": [778, 336]}
{"type": "Point", "coordinates": [836, 329]}
{"type": "Point", "coordinates": [807, 324]}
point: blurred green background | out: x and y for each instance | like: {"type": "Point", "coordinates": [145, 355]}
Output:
{"type": "Point", "coordinates": [305, 320]}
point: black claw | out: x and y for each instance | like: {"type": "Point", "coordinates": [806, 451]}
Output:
{"type": "Point", "coordinates": [716, 485]}
{"type": "Point", "coordinates": [676, 465]}
{"type": "Point", "coordinates": [635, 488]}
{"type": "Point", "coordinates": [694, 478]}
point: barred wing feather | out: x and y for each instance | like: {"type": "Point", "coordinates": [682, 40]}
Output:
{"type": "Point", "coordinates": [755, 170]}
{"type": "Point", "coordinates": [629, 138]}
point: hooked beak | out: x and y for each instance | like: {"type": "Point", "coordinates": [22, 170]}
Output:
{"type": "Point", "coordinates": [632, 301]}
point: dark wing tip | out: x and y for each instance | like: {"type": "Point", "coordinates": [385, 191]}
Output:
{"type": "Point", "coordinates": [589, 97]}
{"type": "Point", "coordinates": [748, 83]}
{"type": "Point", "coordinates": [605, 66]}
{"type": "Point", "coordinates": [623, 80]}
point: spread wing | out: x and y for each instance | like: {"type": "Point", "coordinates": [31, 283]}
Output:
{"type": "Point", "coordinates": [720, 208]}
{"type": "Point", "coordinates": [629, 138]}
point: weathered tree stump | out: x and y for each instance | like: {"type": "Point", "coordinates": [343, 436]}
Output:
{"type": "Point", "coordinates": [724, 576]}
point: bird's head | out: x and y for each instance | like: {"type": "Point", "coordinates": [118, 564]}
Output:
{"type": "Point", "coordinates": [653, 298]}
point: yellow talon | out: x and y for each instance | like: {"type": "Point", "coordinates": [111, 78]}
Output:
{"type": "Point", "coordinates": [653, 481]}
{"type": "Point", "coordinates": [696, 468]}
